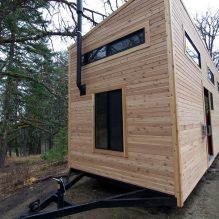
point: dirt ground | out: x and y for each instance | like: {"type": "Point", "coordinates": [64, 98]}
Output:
{"type": "Point", "coordinates": [24, 180]}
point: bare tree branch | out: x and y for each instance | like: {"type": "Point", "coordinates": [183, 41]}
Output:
{"type": "Point", "coordinates": [63, 30]}
{"type": "Point", "coordinates": [112, 5]}
{"type": "Point", "coordinates": [208, 27]}
{"type": "Point", "coordinates": [22, 39]}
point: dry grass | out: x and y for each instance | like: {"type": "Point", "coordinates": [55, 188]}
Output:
{"type": "Point", "coordinates": [19, 170]}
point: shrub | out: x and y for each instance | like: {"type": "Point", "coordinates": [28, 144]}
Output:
{"type": "Point", "coordinates": [59, 151]}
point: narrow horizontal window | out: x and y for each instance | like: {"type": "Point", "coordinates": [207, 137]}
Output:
{"type": "Point", "coordinates": [192, 50]}
{"type": "Point", "coordinates": [127, 42]}
{"type": "Point", "coordinates": [95, 55]}
{"type": "Point", "coordinates": [109, 120]}
{"type": "Point", "coordinates": [210, 75]}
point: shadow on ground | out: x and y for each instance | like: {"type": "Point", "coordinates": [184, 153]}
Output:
{"type": "Point", "coordinates": [203, 203]}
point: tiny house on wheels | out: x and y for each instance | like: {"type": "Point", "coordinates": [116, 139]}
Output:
{"type": "Point", "coordinates": [147, 112]}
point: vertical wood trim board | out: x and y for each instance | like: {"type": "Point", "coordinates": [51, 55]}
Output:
{"type": "Point", "coordinates": [173, 103]}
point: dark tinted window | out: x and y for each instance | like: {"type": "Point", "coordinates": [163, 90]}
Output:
{"type": "Point", "coordinates": [95, 55]}
{"type": "Point", "coordinates": [126, 42]}
{"type": "Point", "coordinates": [218, 86]}
{"type": "Point", "coordinates": [212, 101]}
{"type": "Point", "coordinates": [109, 121]}
{"type": "Point", "coordinates": [132, 40]}
{"type": "Point", "coordinates": [210, 75]}
{"type": "Point", "coordinates": [101, 111]}
{"type": "Point", "coordinates": [192, 50]}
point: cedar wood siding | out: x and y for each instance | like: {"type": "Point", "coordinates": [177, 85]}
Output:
{"type": "Point", "coordinates": [189, 83]}
{"type": "Point", "coordinates": [143, 74]}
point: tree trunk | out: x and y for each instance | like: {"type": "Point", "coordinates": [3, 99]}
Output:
{"type": "Point", "coordinates": [2, 158]}
{"type": "Point", "coordinates": [5, 123]}
{"type": "Point", "coordinates": [50, 141]}
{"type": "Point", "coordinates": [7, 107]}
{"type": "Point", "coordinates": [17, 152]}
{"type": "Point", "coordinates": [2, 153]}
{"type": "Point", "coordinates": [10, 152]}
{"type": "Point", "coordinates": [39, 146]}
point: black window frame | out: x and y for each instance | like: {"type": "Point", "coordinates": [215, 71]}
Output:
{"type": "Point", "coordinates": [85, 57]}
{"type": "Point", "coordinates": [108, 122]}
{"type": "Point", "coordinates": [211, 78]}
{"type": "Point", "coordinates": [195, 48]}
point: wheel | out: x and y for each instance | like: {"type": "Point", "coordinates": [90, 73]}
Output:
{"type": "Point", "coordinates": [34, 205]}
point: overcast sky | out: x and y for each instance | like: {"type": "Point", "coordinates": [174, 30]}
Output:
{"type": "Point", "coordinates": [193, 7]}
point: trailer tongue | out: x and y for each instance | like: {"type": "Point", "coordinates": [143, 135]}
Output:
{"type": "Point", "coordinates": [135, 196]}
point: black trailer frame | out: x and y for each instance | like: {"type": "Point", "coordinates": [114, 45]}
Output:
{"type": "Point", "coordinates": [136, 196]}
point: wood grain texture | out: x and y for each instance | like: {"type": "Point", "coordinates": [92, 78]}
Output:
{"type": "Point", "coordinates": [143, 74]}
{"type": "Point", "coordinates": [190, 80]}
{"type": "Point", "coordinates": [163, 102]}
{"type": "Point", "coordinates": [173, 103]}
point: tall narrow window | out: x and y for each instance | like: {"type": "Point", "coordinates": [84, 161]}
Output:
{"type": "Point", "coordinates": [218, 86]}
{"type": "Point", "coordinates": [192, 51]}
{"type": "Point", "coordinates": [212, 101]}
{"type": "Point", "coordinates": [109, 120]}
{"type": "Point", "coordinates": [210, 75]}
